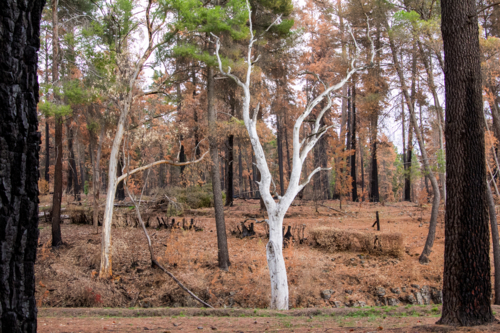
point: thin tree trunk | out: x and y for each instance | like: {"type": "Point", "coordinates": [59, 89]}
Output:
{"type": "Point", "coordinates": [496, 244]}
{"type": "Point", "coordinates": [47, 150]}
{"type": "Point", "coordinates": [424, 257]}
{"type": "Point", "coordinates": [242, 193]}
{"type": "Point", "coordinates": [353, 145]}
{"type": "Point", "coordinates": [229, 170]}
{"type": "Point", "coordinates": [96, 184]}
{"type": "Point", "coordinates": [72, 170]}
{"type": "Point", "coordinates": [58, 184]}
{"type": "Point", "coordinates": [223, 253]}
{"type": "Point", "coordinates": [437, 105]}
{"type": "Point", "coordinates": [57, 198]}
{"type": "Point", "coordinates": [373, 190]}
{"type": "Point", "coordinates": [19, 163]}
{"type": "Point", "coordinates": [467, 276]}
{"type": "Point", "coordinates": [280, 154]}
{"type": "Point", "coordinates": [120, 190]}
{"type": "Point", "coordinates": [361, 163]}
{"type": "Point", "coordinates": [81, 162]}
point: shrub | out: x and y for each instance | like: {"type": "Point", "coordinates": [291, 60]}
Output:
{"type": "Point", "coordinates": [43, 186]}
{"type": "Point", "coordinates": [194, 196]}
{"type": "Point", "coordinates": [334, 239]}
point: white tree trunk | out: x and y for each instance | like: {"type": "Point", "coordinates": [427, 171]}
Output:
{"type": "Point", "coordinates": [106, 271]}
{"type": "Point", "coordinates": [301, 148]}
{"type": "Point", "coordinates": [276, 263]}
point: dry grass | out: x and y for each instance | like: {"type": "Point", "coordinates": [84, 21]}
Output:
{"type": "Point", "coordinates": [68, 273]}
{"type": "Point", "coordinates": [335, 239]}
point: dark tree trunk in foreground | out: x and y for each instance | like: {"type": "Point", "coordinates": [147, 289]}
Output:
{"type": "Point", "coordinates": [220, 224]}
{"type": "Point", "coordinates": [466, 278]}
{"type": "Point", "coordinates": [19, 146]}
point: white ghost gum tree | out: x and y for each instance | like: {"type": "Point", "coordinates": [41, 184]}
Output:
{"type": "Point", "coordinates": [127, 75]}
{"type": "Point", "coordinates": [276, 210]}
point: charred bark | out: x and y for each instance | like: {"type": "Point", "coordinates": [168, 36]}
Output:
{"type": "Point", "coordinates": [229, 170]}
{"type": "Point", "coordinates": [223, 253]}
{"type": "Point", "coordinates": [353, 145]}
{"type": "Point", "coordinates": [466, 278]}
{"type": "Point", "coordinates": [19, 147]}
{"type": "Point", "coordinates": [47, 150]}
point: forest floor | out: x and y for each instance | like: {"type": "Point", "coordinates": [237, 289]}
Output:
{"type": "Point", "coordinates": [376, 319]}
{"type": "Point", "coordinates": [67, 277]}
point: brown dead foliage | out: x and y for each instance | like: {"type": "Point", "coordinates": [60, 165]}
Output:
{"type": "Point", "coordinates": [69, 273]}
{"type": "Point", "coordinates": [377, 243]}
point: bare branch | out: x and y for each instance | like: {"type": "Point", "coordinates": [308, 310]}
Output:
{"type": "Point", "coordinates": [315, 171]}
{"type": "Point", "coordinates": [158, 163]}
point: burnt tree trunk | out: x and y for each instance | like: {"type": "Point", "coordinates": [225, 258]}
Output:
{"type": "Point", "coordinates": [223, 253]}
{"type": "Point", "coordinates": [229, 170]}
{"type": "Point", "coordinates": [47, 150]}
{"type": "Point", "coordinates": [19, 146]}
{"type": "Point", "coordinates": [353, 145]}
{"type": "Point", "coordinates": [72, 165]}
{"type": "Point", "coordinates": [240, 173]}
{"type": "Point", "coordinates": [280, 154]}
{"type": "Point", "coordinates": [496, 244]}
{"type": "Point", "coordinates": [58, 181]}
{"type": "Point", "coordinates": [120, 190]}
{"type": "Point", "coordinates": [374, 193]}
{"type": "Point", "coordinates": [466, 278]}
{"type": "Point", "coordinates": [409, 153]}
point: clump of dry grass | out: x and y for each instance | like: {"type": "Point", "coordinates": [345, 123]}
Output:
{"type": "Point", "coordinates": [334, 240]}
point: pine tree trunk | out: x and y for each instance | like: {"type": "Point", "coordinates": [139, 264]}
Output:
{"type": "Point", "coordinates": [408, 162]}
{"type": "Point", "coordinates": [120, 190]}
{"type": "Point", "coordinates": [229, 170]}
{"type": "Point", "coordinates": [58, 185]}
{"type": "Point", "coordinates": [437, 105]}
{"type": "Point", "coordinates": [47, 150]}
{"type": "Point", "coordinates": [373, 194]}
{"type": "Point", "coordinates": [496, 245]}
{"type": "Point", "coordinates": [223, 253]}
{"type": "Point", "coordinates": [96, 187]}
{"type": "Point", "coordinates": [466, 278]}
{"type": "Point", "coordinates": [19, 142]}
{"type": "Point", "coordinates": [424, 257]}
{"type": "Point", "coordinates": [72, 170]}
{"type": "Point", "coordinates": [242, 192]}
{"type": "Point", "coordinates": [280, 154]}
{"type": "Point", "coordinates": [57, 197]}
{"type": "Point", "coordinates": [353, 145]}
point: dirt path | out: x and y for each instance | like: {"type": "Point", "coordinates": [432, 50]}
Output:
{"type": "Point", "coordinates": [415, 319]}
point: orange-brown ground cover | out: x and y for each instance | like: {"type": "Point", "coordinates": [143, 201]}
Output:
{"type": "Point", "coordinates": [66, 277]}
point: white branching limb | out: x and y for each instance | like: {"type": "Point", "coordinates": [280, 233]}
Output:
{"type": "Point", "coordinates": [308, 179]}
{"type": "Point", "coordinates": [276, 210]}
{"type": "Point", "coordinates": [129, 173]}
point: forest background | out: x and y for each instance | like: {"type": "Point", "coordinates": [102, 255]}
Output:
{"type": "Point", "coordinates": [126, 84]}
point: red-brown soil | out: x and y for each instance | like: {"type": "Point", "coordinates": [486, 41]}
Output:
{"type": "Point", "coordinates": [414, 319]}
